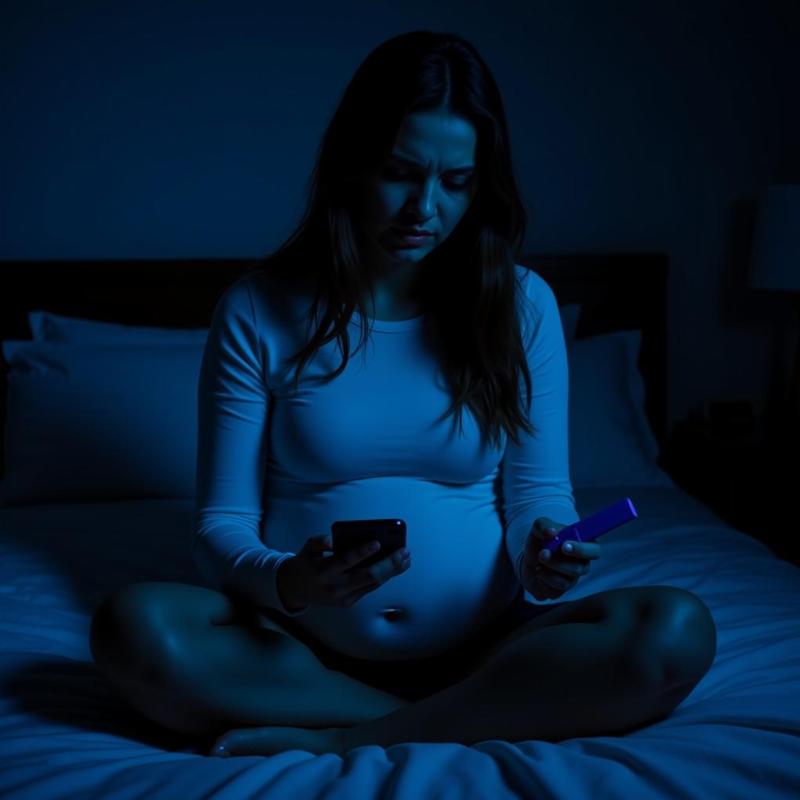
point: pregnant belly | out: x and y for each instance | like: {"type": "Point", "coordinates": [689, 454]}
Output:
{"type": "Point", "coordinates": [414, 616]}
{"type": "Point", "coordinates": [450, 590]}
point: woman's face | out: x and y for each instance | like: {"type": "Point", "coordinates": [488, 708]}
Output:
{"type": "Point", "coordinates": [428, 181]}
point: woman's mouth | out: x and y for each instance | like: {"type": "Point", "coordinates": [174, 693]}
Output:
{"type": "Point", "coordinates": [411, 239]}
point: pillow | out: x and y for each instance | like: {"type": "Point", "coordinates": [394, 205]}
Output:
{"type": "Point", "coordinates": [47, 327]}
{"type": "Point", "coordinates": [610, 439]}
{"type": "Point", "coordinates": [100, 421]}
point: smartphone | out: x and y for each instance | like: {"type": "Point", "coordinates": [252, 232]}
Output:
{"type": "Point", "coordinates": [350, 534]}
{"type": "Point", "coordinates": [589, 528]}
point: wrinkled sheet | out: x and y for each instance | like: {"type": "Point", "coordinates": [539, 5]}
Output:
{"type": "Point", "coordinates": [66, 733]}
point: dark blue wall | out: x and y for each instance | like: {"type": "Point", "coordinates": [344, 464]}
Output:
{"type": "Point", "coordinates": [180, 129]}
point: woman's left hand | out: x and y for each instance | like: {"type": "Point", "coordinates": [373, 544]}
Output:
{"type": "Point", "coordinates": [547, 576]}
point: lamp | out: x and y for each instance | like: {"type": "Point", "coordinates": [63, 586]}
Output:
{"type": "Point", "coordinates": [775, 264]}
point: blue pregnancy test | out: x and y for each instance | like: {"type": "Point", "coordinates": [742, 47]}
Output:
{"type": "Point", "coordinates": [587, 530]}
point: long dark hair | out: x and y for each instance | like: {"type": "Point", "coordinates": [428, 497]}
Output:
{"type": "Point", "coordinates": [468, 284]}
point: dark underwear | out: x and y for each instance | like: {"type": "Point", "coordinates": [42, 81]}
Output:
{"type": "Point", "coordinates": [415, 678]}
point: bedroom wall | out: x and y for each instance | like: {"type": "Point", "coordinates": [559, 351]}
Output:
{"type": "Point", "coordinates": [186, 129]}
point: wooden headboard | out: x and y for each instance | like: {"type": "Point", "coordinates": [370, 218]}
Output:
{"type": "Point", "coordinates": [617, 292]}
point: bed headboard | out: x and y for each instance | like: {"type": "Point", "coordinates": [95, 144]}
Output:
{"type": "Point", "coordinates": [617, 291]}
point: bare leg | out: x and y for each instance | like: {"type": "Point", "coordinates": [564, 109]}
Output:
{"type": "Point", "coordinates": [557, 682]}
{"type": "Point", "coordinates": [211, 678]}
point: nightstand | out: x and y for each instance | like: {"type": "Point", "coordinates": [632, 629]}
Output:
{"type": "Point", "coordinates": [748, 480]}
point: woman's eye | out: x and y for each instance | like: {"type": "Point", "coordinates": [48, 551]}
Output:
{"type": "Point", "coordinates": [396, 174]}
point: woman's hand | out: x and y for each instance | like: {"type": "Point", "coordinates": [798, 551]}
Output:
{"type": "Point", "coordinates": [548, 577]}
{"type": "Point", "coordinates": [311, 578]}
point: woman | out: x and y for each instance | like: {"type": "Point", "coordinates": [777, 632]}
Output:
{"type": "Point", "coordinates": [298, 647]}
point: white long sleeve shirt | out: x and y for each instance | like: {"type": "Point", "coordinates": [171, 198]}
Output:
{"type": "Point", "coordinates": [275, 467]}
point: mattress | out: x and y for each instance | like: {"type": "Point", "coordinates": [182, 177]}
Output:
{"type": "Point", "coordinates": [65, 732]}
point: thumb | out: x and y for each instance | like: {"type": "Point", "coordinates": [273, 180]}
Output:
{"type": "Point", "coordinates": [535, 541]}
{"type": "Point", "coordinates": [321, 542]}
{"type": "Point", "coordinates": [544, 529]}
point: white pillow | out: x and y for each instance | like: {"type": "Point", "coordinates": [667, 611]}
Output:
{"type": "Point", "coordinates": [48, 327]}
{"type": "Point", "coordinates": [610, 439]}
{"type": "Point", "coordinates": [100, 421]}
{"type": "Point", "coordinates": [607, 407]}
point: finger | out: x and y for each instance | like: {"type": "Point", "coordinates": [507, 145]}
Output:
{"type": "Point", "coordinates": [557, 579]}
{"type": "Point", "coordinates": [548, 583]}
{"type": "Point", "coordinates": [583, 550]}
{"type": "Point", "coordinates": [341, 585]}
{"type": "Point", "coordinates": [560, 565]}
{"type": "Point", "coordinates": [320, 543]}
{"type": "Point", "coordinates": [394, 564]}
{"type": "Point", "coordinates": [545, 529]}
{"type": "Point", "coordinates": [548, 594]}
{"type": "Point", "coordinates": [353, 597]}
{"type": "Point", "coordinates": [355, 556]}
{"type": "Point", "coordinates": [358, 580]}
{"type": "Point", "coordinates": [536, 539]}
{"type": "Point", "coordinates": [367, 580]}
{"type": "Point", "coordinates": [532, 549]}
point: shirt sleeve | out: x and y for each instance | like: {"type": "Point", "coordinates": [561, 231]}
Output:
{"type": "Point", "coordinates": [233, 406]}
{"type": "Point", "coordinates": [535, 473]}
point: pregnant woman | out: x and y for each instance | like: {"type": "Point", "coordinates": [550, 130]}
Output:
{"type": "Point", "coordinates": [453, 418]}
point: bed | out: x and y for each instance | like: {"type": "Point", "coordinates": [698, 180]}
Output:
{"type": "Point", "coordinates": [99, 371]}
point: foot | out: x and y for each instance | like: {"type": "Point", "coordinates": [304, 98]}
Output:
{"type": "Point", "coordinates": [271, 740]}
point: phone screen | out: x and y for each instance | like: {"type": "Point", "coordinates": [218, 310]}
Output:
{"type": "Point", "coordinates": [350, 534]}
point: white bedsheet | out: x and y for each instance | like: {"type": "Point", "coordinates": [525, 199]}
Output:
{"type": "Point", "coordinates": [65, 733]}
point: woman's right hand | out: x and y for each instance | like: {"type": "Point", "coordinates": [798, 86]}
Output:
{"type": "Point", "coordinates": [309, 578]}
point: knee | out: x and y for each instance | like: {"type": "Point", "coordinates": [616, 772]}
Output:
{"type": "Point", "coordinates": [678, 638]}
{"type": "Point", "coordinates": [127, 635]}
